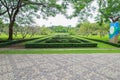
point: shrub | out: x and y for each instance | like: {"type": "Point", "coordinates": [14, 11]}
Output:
{"type": "Point", "coordinates": [106, 42]}
{"type": "Point", "coordinates": [15, 42]}
{"type": "Point", "coordinates": [60, 45]}
{"type": "Point", "coordinates": [43, 39]}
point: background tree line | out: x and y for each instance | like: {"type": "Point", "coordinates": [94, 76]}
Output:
{"type": "Point", "coordinates": [84, 29]}
{"type": "Point", "coordinates": [17, 16]}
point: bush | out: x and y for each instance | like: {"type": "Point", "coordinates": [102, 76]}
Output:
{"type": "Point", "coordinates": [65, 40]}
{"type": "Point", "coordinates": [15, 42]}
{"type": "Point", "coordinates": [106, 42]}
{"type": "Point", "coordinates": [43, 39]}
{"type": "Point", "coordinates": [60, 45]}
{"type": "Point", "coordinates": [57, 41]}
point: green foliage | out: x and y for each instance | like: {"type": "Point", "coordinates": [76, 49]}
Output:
{"type": "Point", "coordinates": [79, 5]}
{"type": "Point", "coordinates": [73, 31]}
{"type": "Point", "coordinates": [60, 41]}
{"type": "Point", "coordinates": [3, 29]}
{"type": "Point", "coordinates": [45, 31]}
{"type": "Point", "coordinates": [87, 29]}
{"type": "Point", "coordinates": [64, 40]}
{"type": "Point", "coordinates": [106, 42]}
{"type": "Point", "coordinates": [109, 8]}
{"type": "Point", "coordinates": [59, 45]}
{"type": "Point", "coordinates": [42, 39]}
{"type": "Point", "coordinates": [6, 43]}
{"type": "Point", "coordinates": [24, 10]}
{"type": "Point", "coordinates": [59, 29]}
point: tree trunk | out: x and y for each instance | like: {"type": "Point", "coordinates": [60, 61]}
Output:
{"type": "Point", "coordinates": [11, 30]}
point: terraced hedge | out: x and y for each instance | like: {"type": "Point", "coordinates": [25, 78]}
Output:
{"type": "Point", "coordinates": [60, 45]}
{"type": "Point", "coordinates": [61, 42]}
{"type": "Point", "coordinates": [6, 43]}
{"type": "Point", "coordinates": [106, 42]}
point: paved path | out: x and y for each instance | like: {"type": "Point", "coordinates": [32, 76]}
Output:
{"type": "Point", "coordinates": [60, 67]}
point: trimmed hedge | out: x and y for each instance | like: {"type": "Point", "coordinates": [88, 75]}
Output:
{"type": "Point", "coordinates": [82, 40]}
{"type": "Point", "coordinates": [65, 40]}
{"type": "Point", "coordinates": [60, 45]}
{"type": "Point", "coordinates": [15, 42]}
{"type": "Point", "coordinates": [72, 40]}
{"type": "Point", "coordinates": [43, 39]}
{"type": "Point", "coordinates": [57, 41]}
{"type": "Point", "coordinates": [106, 42]}
{"type": "Point", "coordinates": [3, 41]}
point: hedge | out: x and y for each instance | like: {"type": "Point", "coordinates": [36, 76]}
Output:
{"type": "Point", "coordinates": [106, 42]}
{"type": "Point", "coordinates": [60, 45]}
{"type": "Point", "coordinates": [82, 40]}
{"type": "Point", "coordinates": [43, 39]}
{"type": "Point", "coordinates": [15, 42]}
{"type": "Point", "coordinates": [65, 40]}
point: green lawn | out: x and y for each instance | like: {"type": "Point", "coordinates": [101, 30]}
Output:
{"type": "Point", "coordinates": [100, 44]}
{"type": "Point", "coordinates": [58, 51]}
{"type": "Point", "coordinates": [104, 38]}
{"type": "Point", "coordinates": [102, 48]}
{"type": "Point", "coordinates": [19, 36]}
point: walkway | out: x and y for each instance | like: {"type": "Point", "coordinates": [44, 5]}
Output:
{"type": "Point", "coordinates": [60, 67]}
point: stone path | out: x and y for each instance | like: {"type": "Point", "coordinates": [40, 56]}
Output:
{"type": "Point", "coordinates": [60, 67]}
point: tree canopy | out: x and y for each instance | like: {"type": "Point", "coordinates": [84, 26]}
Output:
{"type": "Point", "coordinates": [109, 9]}
{"type": "Point", "coordinates": [13, 10]}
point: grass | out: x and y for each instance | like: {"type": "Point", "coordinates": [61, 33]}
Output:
{"type": "Point", "coordinates": [100, 44]}
{"type": "Point", "coordinates": [102, 48]}
{"type": "Point", "coordinates": [3, 36]}
{"type": "Point", "coordinates": [58, 51]}
{"type": "Point", "coordinates": [104, 38]}
{"type": "Point", "coordinates": [19, 36]}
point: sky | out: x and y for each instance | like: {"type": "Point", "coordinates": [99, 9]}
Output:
{"type": "Point", "coordinates": [61, 20]}
{"type": "Point", "coordinates": [58, 20]}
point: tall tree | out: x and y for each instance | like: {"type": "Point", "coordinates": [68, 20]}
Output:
{"type": "Point", "coordinates": [13, 8]}
{"type": "Point", "coordinates": [45, 8]}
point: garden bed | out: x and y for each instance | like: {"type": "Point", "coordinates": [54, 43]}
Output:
{"type": "Point", "coordinates": [61, 42]}
{"type": "Point", "coordinates": [106, 42]}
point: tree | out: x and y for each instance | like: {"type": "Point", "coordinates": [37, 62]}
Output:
{"type": "Point", "coordinates": [86, 29]}
{"type": "Point", "coordinates": [102, 30]}
{"type": "Point", "coordinates": [59, 29]}
{"type": "Point", "coordinates": [82, 9]}
{"type": "Point", "coordinates": [34, 31]}
{"type": "Point", "coordinates": [45, 30]}
{"type": "Point", "coordinates": [109, 9]}
{"type": "Point", "coordinates": [1, 26]}
{"type": "Point", "coordinates": [13, 8]}
{"type": "Point", "coordinates": [16, 29]}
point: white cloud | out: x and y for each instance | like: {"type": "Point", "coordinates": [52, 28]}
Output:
{"type": "Point", "coordinates": [58, 20]}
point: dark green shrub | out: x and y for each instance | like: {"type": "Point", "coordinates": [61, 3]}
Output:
{"type": "Point", "coordinates": [57, 41]}
{"type": "Point", "coordinates": [60, 45]}
{"type": "Point", "coordinates": [43, 39]}
{"type": "Point", "coordinates": [106, 42]}
{"type": "Point", "coordinates": [15, 42]}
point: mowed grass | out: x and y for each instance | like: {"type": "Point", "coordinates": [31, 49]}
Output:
{"type": "Point", "coordinates": [3, 36]}
{"type": "Point", "coordinates": [58, 51]}
{"type": "Point", "coordinates": [102, 48]}
{"type": "Point", "coordinates": [100, 44]}
{"type": "Point", "coordinates": [19, 36]}
{"type": "Point", "coordinates": [104, 38]}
